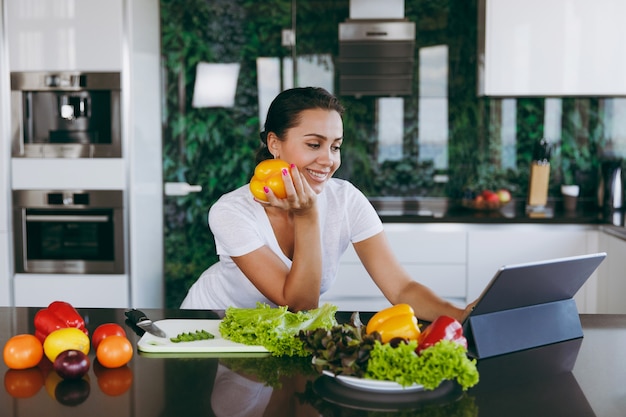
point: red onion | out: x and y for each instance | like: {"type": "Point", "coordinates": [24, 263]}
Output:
{"type": "Point", "coordinates": [71, 364]}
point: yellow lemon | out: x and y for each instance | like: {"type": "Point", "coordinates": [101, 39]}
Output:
{"type": "Point", "coordinates": [61, 340]}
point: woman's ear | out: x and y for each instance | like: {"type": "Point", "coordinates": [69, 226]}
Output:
{"type": "Point", "coordinates": [273, 144]}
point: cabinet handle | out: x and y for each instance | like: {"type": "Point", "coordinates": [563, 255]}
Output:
{"type": "Point", "coordinates": [180, 188]}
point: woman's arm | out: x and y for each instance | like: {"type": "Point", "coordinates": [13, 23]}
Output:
{"type": "Point", "coordinates": [396, 284]}
{"type": "Point", "coordinates": [297, 287]}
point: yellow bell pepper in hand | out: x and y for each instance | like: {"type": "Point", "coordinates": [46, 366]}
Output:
{"type": "Point", "coordinates": [269, 174]}
{"type": "Point", "coordinates": [395, 321]}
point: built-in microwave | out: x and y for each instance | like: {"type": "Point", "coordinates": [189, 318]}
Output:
{"type": "Point", "coordinates": [69, 231]}
{"type": "Point", "coordinates": [66, 114]}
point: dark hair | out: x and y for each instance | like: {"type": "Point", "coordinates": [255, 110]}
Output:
{"type": "Point", "coordinates": [284, 112]}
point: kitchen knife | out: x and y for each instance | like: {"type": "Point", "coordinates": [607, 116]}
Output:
{"type": "Point", "coordinates": [139, 319]}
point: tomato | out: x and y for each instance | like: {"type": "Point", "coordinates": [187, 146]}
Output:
{"type": "Point", "coordinates": [114, 351]}
{"type": "Point", "coordinates": [115, 381]}
{"type": "Point", "coordinates": [105, 330]}
{"type": "Point", "coordinates": [22, 351]}
{"type": "Point", "coordinates": [69, 338]}
{"type": "Point", "coordinates": [23, 383]}
{"type": "Point", "coordinates": [269, 173]}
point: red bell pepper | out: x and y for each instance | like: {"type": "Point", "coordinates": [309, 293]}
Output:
{"type": "Point", "coordinates": [443, 328]}
{"type": "Point", "coordinates": [58, 315]}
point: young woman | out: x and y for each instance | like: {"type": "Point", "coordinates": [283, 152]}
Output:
{"type": "Point", "coordinates": [286, 251]}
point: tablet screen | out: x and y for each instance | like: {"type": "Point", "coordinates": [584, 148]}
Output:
{"type": "Point", "coordinates": [521, 285]}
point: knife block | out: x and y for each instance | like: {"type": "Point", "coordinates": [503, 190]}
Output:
{"type": "Point", "coordinates": [538, 186]}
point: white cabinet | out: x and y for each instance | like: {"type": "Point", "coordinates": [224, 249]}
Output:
{"type": "Point", "coordinates": [57, 35]}
{"type": "Point", "coordinates": [612, 277]}
{"type": "Point", "coordinates": [436, 256]}
{"type": "Point", "coordinates": [492, 246]}
{"type": "Point", "coordinates": [433, 254]}
{"type": "Point", "coordinates": [5, 271]}
{"type": "Point", "coordinates": [457, 261]}
{"type": "Point", "coordinates": [100, 36]}
{"type": "Point", "coordinates": [552, 48]}
{"type": "Point", "coordinates": [39, 290]}
{"type": "Point", "coordinates": [5, 134]}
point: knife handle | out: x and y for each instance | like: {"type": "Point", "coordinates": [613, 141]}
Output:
{"type": "Point", "coordinates": [135, 316]}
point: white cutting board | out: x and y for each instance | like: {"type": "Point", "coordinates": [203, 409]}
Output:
{"type": "Point", "coordinates": [173, 327]}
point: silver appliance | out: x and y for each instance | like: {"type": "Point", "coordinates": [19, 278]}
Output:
{"type": "Point", "coordinates": [66, 114]}
{"type": "Point", "coordinates": [376, 57]}
{"type": "Point", "coordinates": [69, 231]}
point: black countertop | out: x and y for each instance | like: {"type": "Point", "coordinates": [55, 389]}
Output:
{"type": "Point", "coordinates": [443, 210]}
{"type": "Point", "coordinates": [580, 377]}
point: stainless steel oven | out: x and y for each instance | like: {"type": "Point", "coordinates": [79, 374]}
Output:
{"type": "Point", "coordinates": [69, 231]}
{"type": "Point", "coordinates": [66, 115]}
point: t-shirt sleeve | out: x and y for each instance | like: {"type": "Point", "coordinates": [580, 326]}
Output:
{"type": "Point", "coordinates": [236, 229]}
{"type": "Point", "coordinates": [364, 220]}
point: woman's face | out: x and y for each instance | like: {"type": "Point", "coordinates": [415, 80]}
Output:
{"type": "Point", "coordinates": [313, 146]}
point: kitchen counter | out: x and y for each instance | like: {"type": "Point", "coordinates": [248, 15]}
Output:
{"type": "Point", "coordinates": [617, 231]}
{"type": "Point", "coordinates": [443, 210]}
{"type": "Point", "coordinates": [580, 377]}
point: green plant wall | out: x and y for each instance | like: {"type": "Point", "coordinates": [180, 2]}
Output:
{"type": "Point", "coordinates": [215, 147]}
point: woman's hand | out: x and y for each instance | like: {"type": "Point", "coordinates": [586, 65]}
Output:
{"type": "Point", "coordinates": [301, 198]}
{"type": "Point", "coordinates": [299, 237]}
{"type": "Point", "coordinates": [468, 310]}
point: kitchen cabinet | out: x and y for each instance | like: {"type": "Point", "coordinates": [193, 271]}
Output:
{"type": "Point", "coordinates": [551, 48]}
{"type": "Point", "coordinates": [457, 261]}
{"type": "Point", "coordinates": [39, 290]}
{"type": "Point", "coordinates": [61, 174]}
{"type": "Point", "coordinates": [5, 272]}
{"type": "Point", "coordinates": [492, 246]}
{"type": "Point", "coordinates": [91, 36]}
{"type": "Point", "coordinates": [61, 35]}
{"type": "Point", "coordinates": [5, 134]}
{"type": "Point", "coordinates": [612, 276]}
{"type": "Point", "coordinates": [433, 254]}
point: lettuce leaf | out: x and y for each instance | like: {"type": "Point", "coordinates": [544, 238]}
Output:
{"type": "Point", "coordinates": [446, 360]}
{"type": "Point", "coordinates": [275, 328]}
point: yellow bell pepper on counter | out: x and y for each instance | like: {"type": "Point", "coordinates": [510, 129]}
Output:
{"type": "Point", "coordinates": [396, 321]}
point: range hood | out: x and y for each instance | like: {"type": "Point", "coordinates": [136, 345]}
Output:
{"type": "Point", "coordinates": [376, 56]}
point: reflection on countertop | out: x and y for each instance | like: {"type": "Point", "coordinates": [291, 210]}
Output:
{"type": "Point", "coordinates": [444, 210]}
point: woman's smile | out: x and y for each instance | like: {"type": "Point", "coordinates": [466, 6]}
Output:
{"type": "Point", "coordinates": [319, 176]}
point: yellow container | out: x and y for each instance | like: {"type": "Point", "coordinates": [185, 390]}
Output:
{"type": "Point", "coordinates": [538, 187]}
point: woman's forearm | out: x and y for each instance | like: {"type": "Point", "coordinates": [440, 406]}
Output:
{"type": "Point", "coordinates": [427, 305]}
{"type": "Point", "coordinates": [302, 286]}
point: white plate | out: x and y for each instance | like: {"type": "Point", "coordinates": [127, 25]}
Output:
{"type": "Point", "coordinates": [373, 385]}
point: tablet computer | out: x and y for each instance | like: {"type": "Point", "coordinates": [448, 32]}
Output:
{"type": "Point", "coordinates": [532, 283]}
{"type": "Point", "coordinates": [529, 305]}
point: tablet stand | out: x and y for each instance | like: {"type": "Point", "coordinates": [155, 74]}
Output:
{"type": "Point", "coordinates": [507, 331]}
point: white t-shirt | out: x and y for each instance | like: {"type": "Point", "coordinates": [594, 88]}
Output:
{"type": "Point", "coordinates": [240, 226]}
{"type": "Point", "coordinates": [235, 395]}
